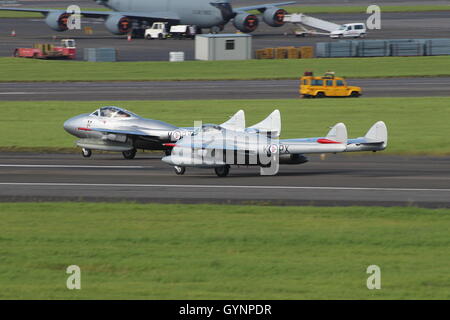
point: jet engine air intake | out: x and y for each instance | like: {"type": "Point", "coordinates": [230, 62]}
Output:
{"type": "Point", "coordinates": [274, 17]}
{"type": "Point", "coordinates": [246, 22]}
{"type": "Point", "coordinates": [118, 24]}
{"type": "Point", "coordinates": [57, 20]}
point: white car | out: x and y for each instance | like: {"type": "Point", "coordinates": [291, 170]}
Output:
{"type": "Point", "coordinates": [350, 30]}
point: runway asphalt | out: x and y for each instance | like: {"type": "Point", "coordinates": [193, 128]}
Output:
{"type": "Point", "coordinates": [405, 25]}
{"type": "Point", "coordinates": [370, 179]}
{"type": "Point", "coordinates": [182, 90]}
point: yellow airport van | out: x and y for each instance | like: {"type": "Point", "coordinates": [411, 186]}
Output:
{"type": "Point", "coordinates": [326, 86]}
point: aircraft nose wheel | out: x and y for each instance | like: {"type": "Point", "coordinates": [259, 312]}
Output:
{"type": "Point", "coordinates": [86, 152]}
{"type": "Point", "coordinates": [179, 170]}
{"type": "Point", "coordinates": [130, 154]}
{"type": "Point", "coordinates": [222, 171]}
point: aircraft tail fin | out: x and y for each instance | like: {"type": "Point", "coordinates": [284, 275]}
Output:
{"type": "Point", "coordinates": [236, 122]}
{"type": "Point", "coordinates": [374, 140]}
{"type": "Point", "coordinates": [270, 125]}
{"type": "Point", "coordinates": [377, 134]}
{"type": "Point", "coordinates": [338, 133]}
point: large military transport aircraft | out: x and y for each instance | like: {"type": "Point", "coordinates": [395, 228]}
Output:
{"type": "Point", "coordinates": [137, 15]}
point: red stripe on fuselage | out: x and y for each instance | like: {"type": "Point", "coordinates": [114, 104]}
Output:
{"type": "Point", "coordinates": [326, 141]}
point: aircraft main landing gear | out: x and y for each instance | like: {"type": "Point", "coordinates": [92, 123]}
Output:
{"type": "Point", "coordinates": [86, 152]}
{"type": "Point", "coordinates": [222, 171]}
{"type": "Point", "coordinates": [179, 170]}
{"type": "Point", "coordinates": [130, 154]}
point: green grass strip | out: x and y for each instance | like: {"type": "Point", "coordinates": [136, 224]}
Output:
{"type": "Point", "coordinates": [416, 125]}
{"type": "Point", "coordinates": [22, 69]}
{"type": "Point", "coordinates": [152, 251]}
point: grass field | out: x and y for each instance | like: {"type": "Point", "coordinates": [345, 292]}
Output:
{"type": "Point", "coordinates": [135, 251]}
{"type": "Point", "coordinates": [291, 9]}
{"type": "Point", "coordinates": [21, 69]}
{"type": "Point", "coordinates": [416, 125]}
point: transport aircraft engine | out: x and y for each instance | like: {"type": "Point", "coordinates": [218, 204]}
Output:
{"type": "Point", "coordinates": [57, 20]}
{"type": "Point", "coordinates": [245, 22]}
{"type": "Point", "coordinates": [118, 24]}
{"type": "Point", "coordinates": [274, 17]}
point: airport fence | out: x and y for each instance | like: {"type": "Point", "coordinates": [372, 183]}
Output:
{"type": "Point", "coordinates": [100, 54]}
{"type": "Point", "coordinates": [383, 48]}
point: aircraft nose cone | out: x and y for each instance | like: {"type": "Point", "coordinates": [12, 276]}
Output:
{"type": "Point", "coordinates": [69, 126]}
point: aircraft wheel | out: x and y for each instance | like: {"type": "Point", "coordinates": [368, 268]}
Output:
{"type": "Point", "coordinates": [130, 154]}
{"type": "Point", "coordinates": [86, 152]}
{"type": "Point", "coordinates": [179, 170]}
{"type": "Point", "coordinates": [222, 171]}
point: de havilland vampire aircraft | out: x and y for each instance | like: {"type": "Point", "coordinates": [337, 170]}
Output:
{"type": "Point", "coordinates": [213, 146]}
{"type": "Point", "coordinates": [115, 129]}
{"type": "Point", "coordinates": [136, 15]}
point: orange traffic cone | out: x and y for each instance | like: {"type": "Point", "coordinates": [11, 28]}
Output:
{"type": "Point", "coordinates": [129, 37]}
{"type": "Point", "coordinates": [13, 33]}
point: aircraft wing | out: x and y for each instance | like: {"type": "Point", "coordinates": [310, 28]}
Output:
{"type": "Point", "coordinates": [262, 7]}
{"type": "Point", "coordinates": [160, 16]}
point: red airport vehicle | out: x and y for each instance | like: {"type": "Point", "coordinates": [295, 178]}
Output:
{"type": "Point", "coordinates": [67, 50]}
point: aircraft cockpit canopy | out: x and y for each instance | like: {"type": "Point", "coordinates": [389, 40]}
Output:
{"type": "Point", "coordinates": [208, 128]}
{"type": "Point", "coordinates": [113, 112]}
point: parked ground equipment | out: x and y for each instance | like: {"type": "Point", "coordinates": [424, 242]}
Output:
{"type": "Point", "coordinates": [162, 30]}
{"type": "Point", "coordinates": [304, 23]}
{"type": "Point", "coordinates": [66, 50]}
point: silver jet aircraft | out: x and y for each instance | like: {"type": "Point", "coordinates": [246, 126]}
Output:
{"type": "Point", "coordinates": [137, 15]}
{"type": "Point", "coordinates": [213, 146]}
{"type": "Point", "coordinates": [115, 129]}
